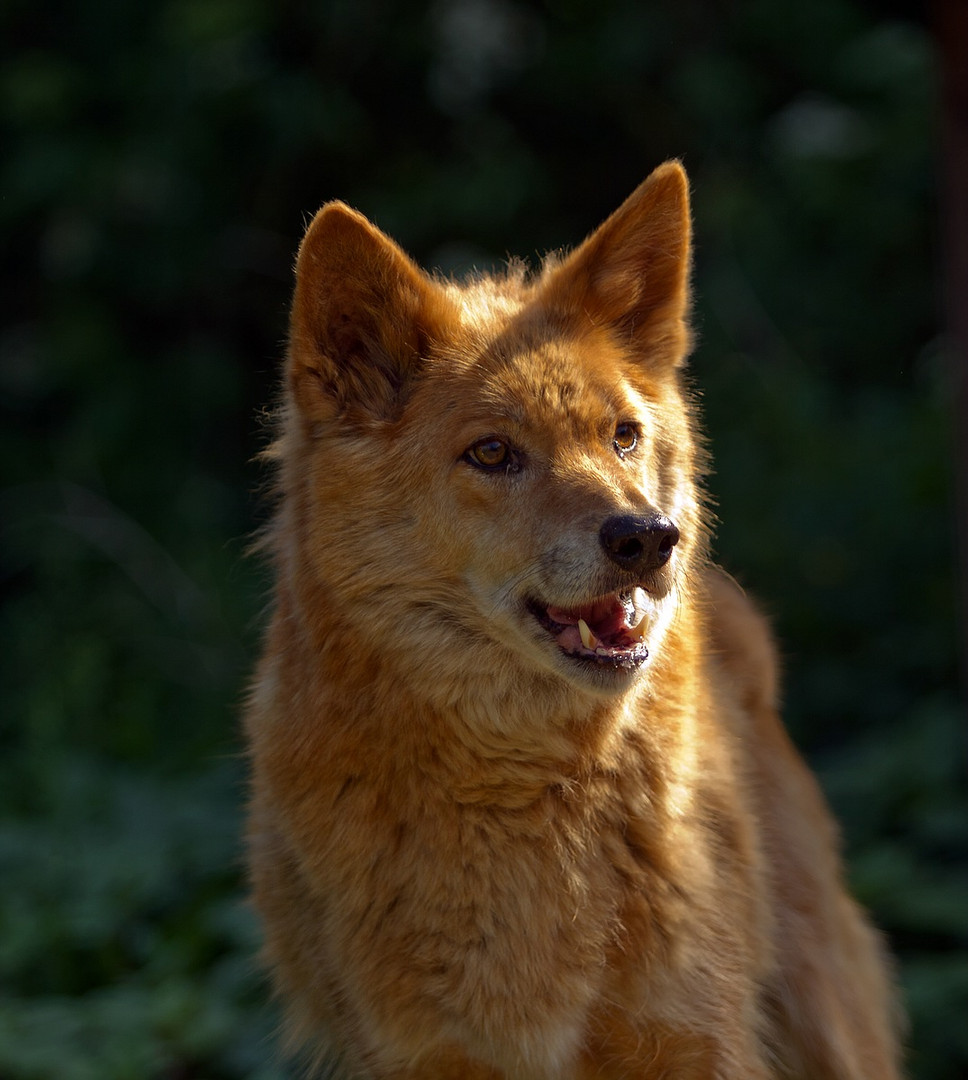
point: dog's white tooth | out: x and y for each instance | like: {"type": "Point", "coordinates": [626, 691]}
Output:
{"type": "Point", "coordinates": [640, 603]}
{"type": "Point", "coordinates": [588, 639]}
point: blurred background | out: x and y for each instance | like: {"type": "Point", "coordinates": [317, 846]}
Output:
{"type": "Point", "coordinates": [158, 164]}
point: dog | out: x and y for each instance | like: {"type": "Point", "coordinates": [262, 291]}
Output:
{"type": "Point", "coordinates": [521, 803]}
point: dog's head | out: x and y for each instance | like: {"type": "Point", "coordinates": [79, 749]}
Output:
{"type": "Point", "coordinates": [495, 480]}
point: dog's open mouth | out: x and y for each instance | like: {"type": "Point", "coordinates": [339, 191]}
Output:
{"type": "Point", "coordinates": [608, 630]}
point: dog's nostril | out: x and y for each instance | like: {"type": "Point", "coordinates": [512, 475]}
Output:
{"type": "Point", "coordinates": [629, 549]}
{"type": "Point", "coordinates": [639, 543]}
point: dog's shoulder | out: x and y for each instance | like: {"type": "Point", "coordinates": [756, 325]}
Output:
{"type": "Point", "coordinates": [740, 641]}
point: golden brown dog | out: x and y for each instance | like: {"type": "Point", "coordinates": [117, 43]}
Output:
{"type": "Point", "coordinates": [522, 806]}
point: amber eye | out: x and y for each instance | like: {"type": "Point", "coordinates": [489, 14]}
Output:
{"type": "Point", "coordinates": [490, 454]}
{"type": "Point", "coordinates": [626, 438]}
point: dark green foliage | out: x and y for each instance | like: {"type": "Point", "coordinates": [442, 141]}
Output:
{"type": "Point", "coordinates": [127, 948]}
{"type": "Point", "coordinates": [158, 164]}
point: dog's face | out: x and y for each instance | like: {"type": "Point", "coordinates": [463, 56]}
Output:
{"type": "Point", "coordinates": [564, 487]}
{"type": "Point", "coordinates": [498, 475]}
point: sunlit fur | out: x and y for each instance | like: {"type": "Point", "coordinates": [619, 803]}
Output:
{"type": "Point", "coordinates": [474, 855]}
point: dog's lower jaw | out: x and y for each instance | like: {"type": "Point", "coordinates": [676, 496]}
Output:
{"type": "Point", "coordinates": [603, 676]}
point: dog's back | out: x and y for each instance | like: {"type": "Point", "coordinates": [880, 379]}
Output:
{"type": "Point", "coordinates": [522, 806]}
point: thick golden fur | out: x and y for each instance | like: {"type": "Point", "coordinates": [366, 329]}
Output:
{"type": "Point", "coordinates": [480, 847]}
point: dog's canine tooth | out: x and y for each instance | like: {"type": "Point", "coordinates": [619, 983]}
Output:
{"type": "Point", "coordinates": [637, 631]}
{"type": "Point", "coordinates": [640, 601]}
{"type": "Point", "coordinates": [588, 639]}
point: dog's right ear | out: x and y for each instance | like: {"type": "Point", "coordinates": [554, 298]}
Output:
{"type": "Point", "coordinates": [361, 315]}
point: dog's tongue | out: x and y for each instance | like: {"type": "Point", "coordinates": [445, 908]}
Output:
{"type": "Point", "coordinates": [605, 618]}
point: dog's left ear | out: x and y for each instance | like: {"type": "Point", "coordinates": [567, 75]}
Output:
{"type": "Point", "coordinates": [633, 271]}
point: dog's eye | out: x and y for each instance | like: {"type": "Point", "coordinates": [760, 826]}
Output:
{"type": "Point", "coordinates": [626, 438]}
{"type": "Point", "coordinates": [490, 454]}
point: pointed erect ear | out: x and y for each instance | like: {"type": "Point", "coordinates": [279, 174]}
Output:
{"type": "Point", "coordinates": [633, 272]}
{"type": "Point", "coordinates": [360, 318]}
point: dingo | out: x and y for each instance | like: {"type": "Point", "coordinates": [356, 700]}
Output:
{"type": "Point", "coordinates": [522, 806]}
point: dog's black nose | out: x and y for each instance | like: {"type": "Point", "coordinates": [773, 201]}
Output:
{"type": "Point", "coordinates": [639, 543]}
